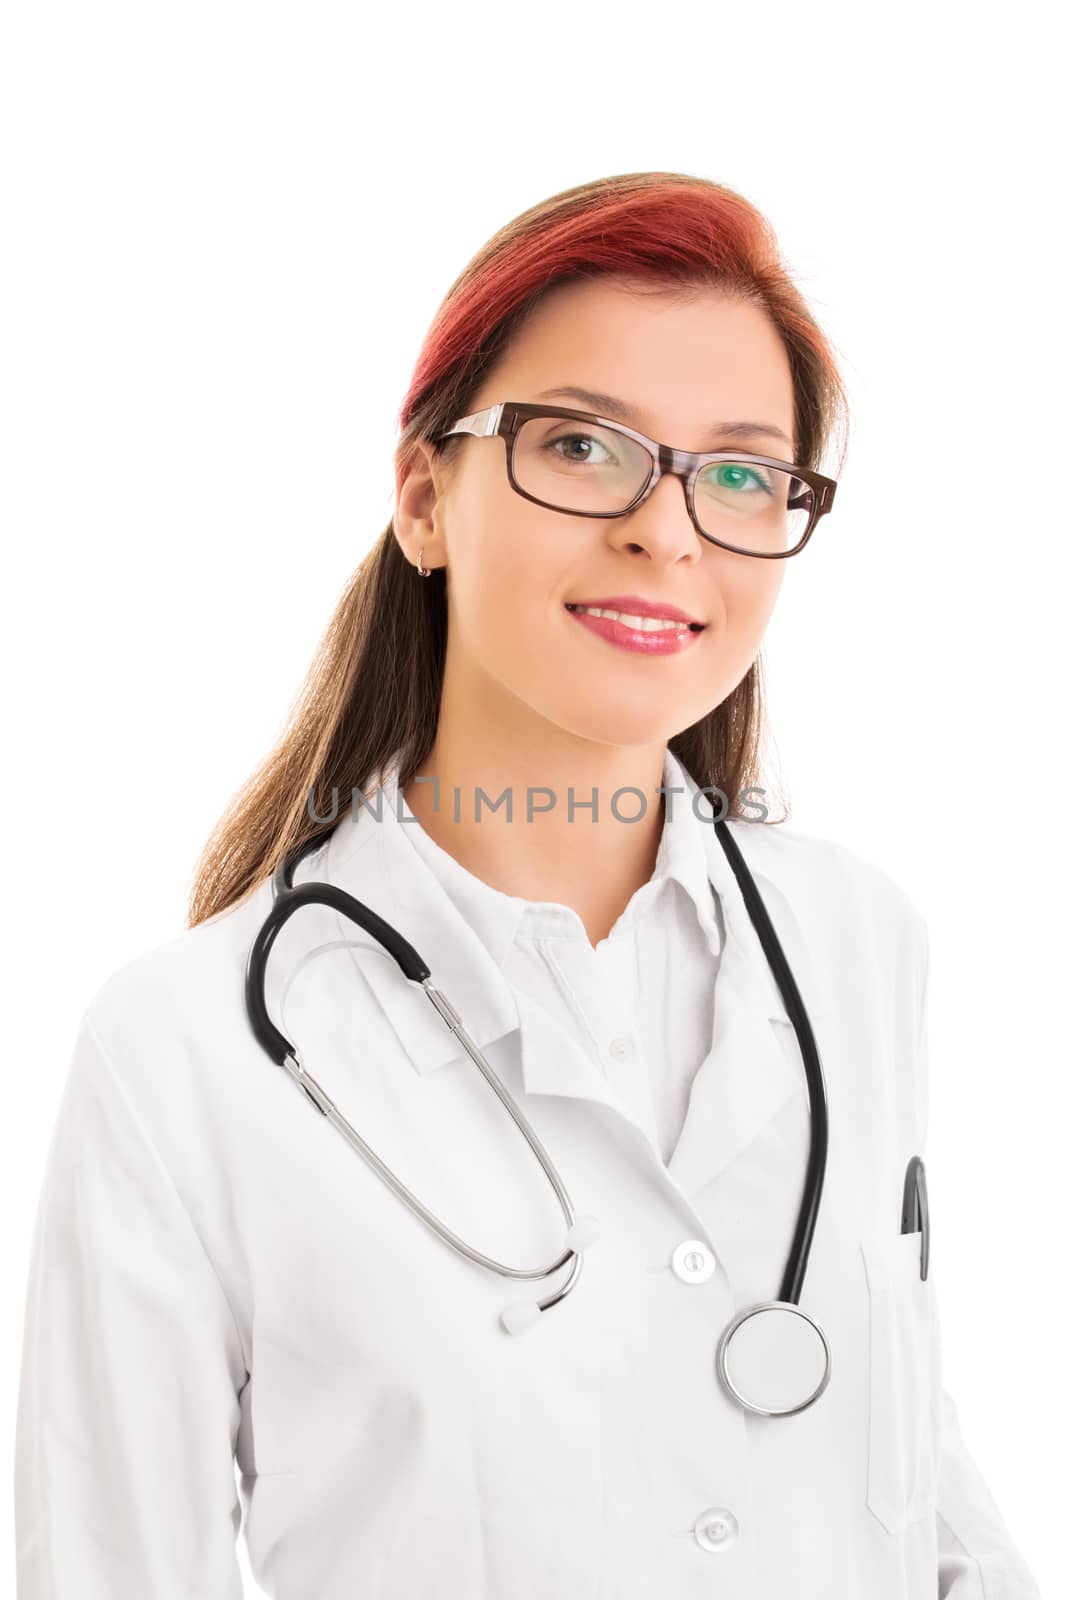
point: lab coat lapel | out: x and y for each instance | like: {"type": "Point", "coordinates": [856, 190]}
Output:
{"type": "Point", "coordinates": [754, 1066]}
{"type": "Point", "coordinates": [382, 871]}
{"type": "Point", "coordinates": [371, 861]}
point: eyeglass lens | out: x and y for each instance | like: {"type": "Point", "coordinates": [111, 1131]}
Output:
{"type": "Point", "coordinates": [583, 467]}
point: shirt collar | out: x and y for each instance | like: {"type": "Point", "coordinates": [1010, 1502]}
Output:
{"type": "Point", "coordinates": [499, 918]}
{"type": "Point", "coordinates": [370, 857]}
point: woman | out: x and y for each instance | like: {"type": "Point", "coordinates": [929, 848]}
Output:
{"type": "Point", "coordinates": [216, 1274]}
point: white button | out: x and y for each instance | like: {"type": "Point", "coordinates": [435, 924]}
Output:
{"type": "Point", "coordinates": [619, 1048]}
{"type": "Point", "coordinates": [692, 1261]}
{"type": "Point", "coordinates": [716, 1528]}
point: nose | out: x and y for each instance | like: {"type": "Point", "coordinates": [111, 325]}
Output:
{"type": "Point", "coordinates": [661, 525]}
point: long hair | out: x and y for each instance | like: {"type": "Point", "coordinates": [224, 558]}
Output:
{"type": "Point", "coordinates": [372, 693]}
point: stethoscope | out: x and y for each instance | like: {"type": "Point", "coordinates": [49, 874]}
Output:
{"type": "Point", "coordinates": [774, 1357]}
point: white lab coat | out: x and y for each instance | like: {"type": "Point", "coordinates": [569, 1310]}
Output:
{"type": "Point", "coordinates": [216, 1271]}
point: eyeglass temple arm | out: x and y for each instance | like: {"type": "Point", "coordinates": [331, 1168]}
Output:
{"type": "Point", "coordinates": [481, 423]}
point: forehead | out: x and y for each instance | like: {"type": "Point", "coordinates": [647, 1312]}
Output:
{"type": "Point", "coordinates": [683, 361]}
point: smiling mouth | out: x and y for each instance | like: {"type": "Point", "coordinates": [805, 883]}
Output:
{"type": "Point", "coordinates": [631, 620]}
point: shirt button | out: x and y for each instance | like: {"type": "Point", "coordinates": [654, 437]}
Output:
{"type": "Point", "coordinates": [716, 1528]}
{"type": "Point", "coordinates": [692, 1261]}
{"type": "Point", "coordinates": [619, 1048]}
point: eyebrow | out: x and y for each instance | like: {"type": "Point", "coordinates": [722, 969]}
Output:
{"type": "Point", "coordinates": [610, 405]}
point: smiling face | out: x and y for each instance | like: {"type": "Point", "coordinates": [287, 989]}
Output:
{"type": "Point", "coordinates": [685, 366]}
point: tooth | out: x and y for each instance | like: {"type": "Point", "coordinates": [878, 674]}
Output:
{"type": "Point", "coordinates": [630, 620]}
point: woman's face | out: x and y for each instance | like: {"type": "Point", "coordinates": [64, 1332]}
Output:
{"type": "Point", "coordinates": [686, 367]}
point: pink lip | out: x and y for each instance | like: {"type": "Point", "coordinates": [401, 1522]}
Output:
{"type": "Point", "coordinates": [637, 607]}
{"type": "Point", "coordinates": [663, 642]}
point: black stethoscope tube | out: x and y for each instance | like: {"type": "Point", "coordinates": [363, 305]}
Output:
{"type": "Point", "coordinates": [804, 1233]}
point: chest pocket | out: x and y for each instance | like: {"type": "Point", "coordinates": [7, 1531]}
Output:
{"type": "Point", "coordinates": [904, 1382]}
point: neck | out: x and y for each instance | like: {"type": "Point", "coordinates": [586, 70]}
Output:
{"type": "Point", "coordinates": [524, 835]}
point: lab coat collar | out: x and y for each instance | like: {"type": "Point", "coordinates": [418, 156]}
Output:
{"type": "Point", "coordinates": [750, 1072]}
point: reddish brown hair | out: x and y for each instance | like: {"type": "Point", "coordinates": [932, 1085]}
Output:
{"type": "Point", "coordinates": [373, 689]}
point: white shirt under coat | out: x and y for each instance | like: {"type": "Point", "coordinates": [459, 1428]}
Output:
{"type": "Point", "coordinates": [642, 1001]}
{"type": "Point", "coordinates": [216, 1274]}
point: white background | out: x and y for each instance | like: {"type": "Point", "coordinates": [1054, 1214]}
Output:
{"type": "Point", "coordinates": [227, 228]}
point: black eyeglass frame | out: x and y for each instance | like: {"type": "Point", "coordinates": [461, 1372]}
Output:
{"type": "Point", "coordinates": [506, 417]}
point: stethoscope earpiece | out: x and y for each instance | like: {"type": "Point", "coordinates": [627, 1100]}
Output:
{"type": "Point", "coordinates": [583, 1232]}
{"type": "Point", "coordinates": [521, 1316]}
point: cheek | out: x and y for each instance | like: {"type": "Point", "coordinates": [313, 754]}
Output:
{"type": "Point", "coordinates": [744, 601]}
{"type": "Point", "coordinates": [748, 596]}
{"type": "Point", "coordinates": [502, 578]}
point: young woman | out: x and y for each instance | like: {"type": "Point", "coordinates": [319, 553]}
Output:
{"type": "Point", "coordinates": [455, 1360]}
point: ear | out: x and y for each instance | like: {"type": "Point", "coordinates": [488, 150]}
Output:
{"type": "Point", "coordinates": [417, 520]}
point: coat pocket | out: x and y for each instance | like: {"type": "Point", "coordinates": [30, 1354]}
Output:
{"type": "Point", "coordinates": [901, 1461]}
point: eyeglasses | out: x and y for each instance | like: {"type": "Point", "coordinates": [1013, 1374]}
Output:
{"type": "Point", "coordinates": [754, 505]}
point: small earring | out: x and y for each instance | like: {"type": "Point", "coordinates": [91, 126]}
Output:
{"type": "Point", "coordinates": [423, 572]}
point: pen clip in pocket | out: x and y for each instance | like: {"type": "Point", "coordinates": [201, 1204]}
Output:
{"type": "Point", "coordinates": [915, 1210]}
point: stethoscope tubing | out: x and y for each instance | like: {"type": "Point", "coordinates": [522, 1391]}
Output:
{"type": "Point", "coordinates": [811, 1198]}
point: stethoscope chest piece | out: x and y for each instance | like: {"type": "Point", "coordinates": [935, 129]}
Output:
{"type": "Point", "coordinates": [774, 1359]}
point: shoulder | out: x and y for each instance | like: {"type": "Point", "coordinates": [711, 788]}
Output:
{"type": "Point", "coordinates": [174, 1012]}
{"type": "Point", "coordinates": [821, 881]}
{"type": "Point", "coordinates": [173, 976]}
{"type": "Point", "coordinates": [829, 884]}
{"type": "Point", "coordinates": [809, 862]}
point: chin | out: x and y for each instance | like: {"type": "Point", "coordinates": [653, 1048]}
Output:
{"type": "Point", "coordinates": [598, 724]}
